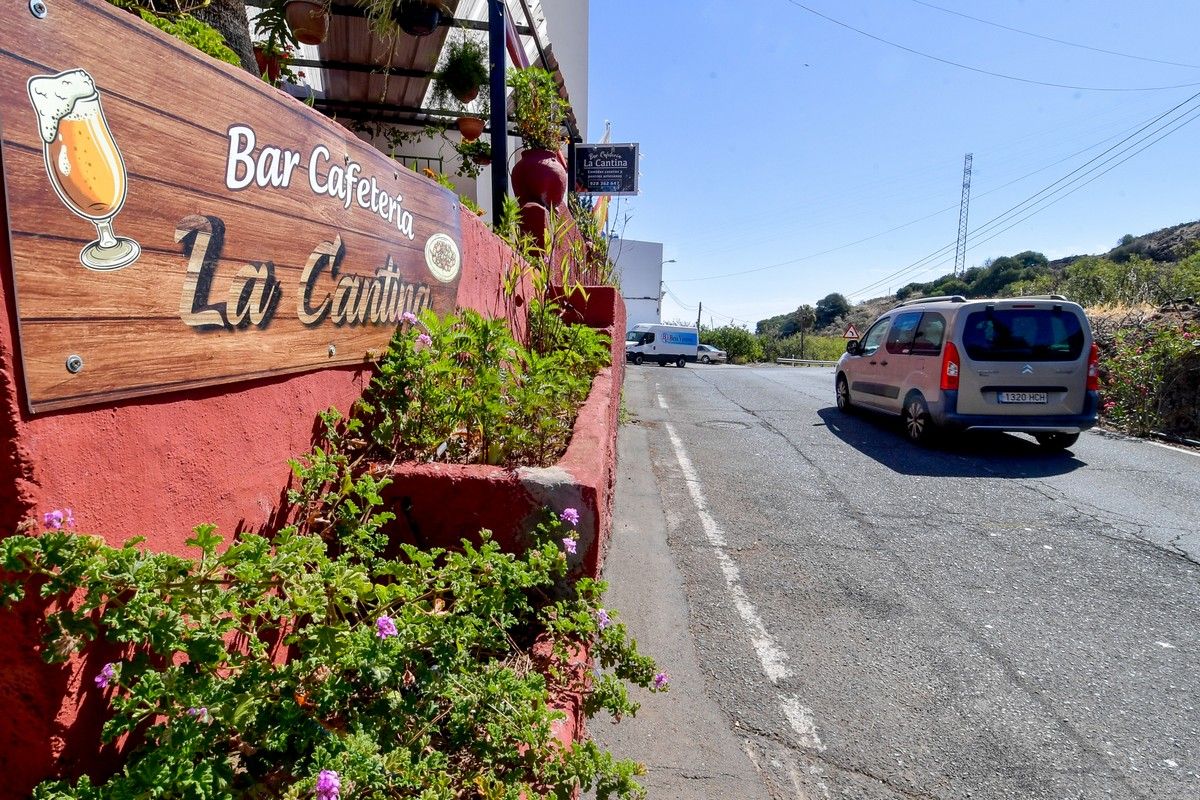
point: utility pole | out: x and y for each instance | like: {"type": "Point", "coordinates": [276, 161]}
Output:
{"type": "Point", "coordinates": [698, 312]}
{"type": "Point", "coordinates": [960, 253]}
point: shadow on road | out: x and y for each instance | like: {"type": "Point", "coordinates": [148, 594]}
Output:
{"type": "Point", "coordinates": [982, 454]}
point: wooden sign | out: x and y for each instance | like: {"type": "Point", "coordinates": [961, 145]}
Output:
{"type": "Point", "coordinates": [175, 222]}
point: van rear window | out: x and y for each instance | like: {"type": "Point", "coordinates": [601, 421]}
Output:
{"type": "Point", "coordinates": [1033, 334]}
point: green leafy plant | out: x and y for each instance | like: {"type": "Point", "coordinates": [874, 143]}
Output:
{"type": "Point", "coordinates": [463, 389]}
{"type": "Point", "coordinates": [317, 661]}
{"type": "Point", "coordinates": [473, 157]}
{"type": "Point", "coordinates": [1151, 378]}
{"type": "Point", "coordinates": [463, 72]}
{"type": "Point", "coordinates": [539, 109]}
{"type": "Point", "coordinates": [183, 26]}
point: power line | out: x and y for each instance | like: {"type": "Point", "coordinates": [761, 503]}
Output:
{"type": "Point", "coordinates": [896, 228]}
{"type": "Point", "coordinates": [1052, 39]}
{"type": "Point", "coordinates": [1019, 207]}
{"type": "Point", "coordinates": [984, 71]}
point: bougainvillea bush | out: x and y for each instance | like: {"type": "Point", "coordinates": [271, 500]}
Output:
{"type": "Point", "coordinates": [326, 662]}
{"type": "Point", "coordinates": [1151, 378]}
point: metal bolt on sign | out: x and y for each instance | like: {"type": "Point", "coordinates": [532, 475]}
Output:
{"type": "Point", "coordinates": [38, 8]}
{"type": "Point", "coordinates": [74, 364]}
{"type": "Point", "coordinates": [332, 350]}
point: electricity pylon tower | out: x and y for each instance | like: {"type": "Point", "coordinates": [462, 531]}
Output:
{"type": "Point", "coordinates": [960, 253]}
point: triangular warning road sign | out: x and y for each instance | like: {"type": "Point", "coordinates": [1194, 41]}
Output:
{"type": "Point", "coordinates": [851, 332]}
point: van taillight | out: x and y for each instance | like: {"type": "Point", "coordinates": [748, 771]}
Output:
{"type": "Point", "coordinates": [950, 367]}
{"type": "Point", "coordinates": [1093, 380]}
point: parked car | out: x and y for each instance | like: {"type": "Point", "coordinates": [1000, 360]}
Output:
{"type": "Point", "coordinates": [707, 354]}
{"type": "Point", "coordinates": [666, 344]}
{"type": "Point", "coordinates": [1021, 364]}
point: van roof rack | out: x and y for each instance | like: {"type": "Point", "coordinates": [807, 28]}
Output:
{"type": "Point", "coordinates": [1041, 297]}
{"type": "Point", "coordinates": [946, 298]}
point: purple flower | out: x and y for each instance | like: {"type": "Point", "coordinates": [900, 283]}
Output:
{"type": "Point", "coordinates": [200, 714]}
{"type": "Point", "coordinates": [329, 785]}
{"type": "Point", "coordinates": [385, 627]}
{"type": "Point", "coordinates": [661, 680]}
{"type": "Point", "coordinates": [107, 673]}
{"type": "Point", "coordinates": [602, 617]}
{"type": "Point", "coordinates": [424, 339]}
{"type": "Point", "coordinates": [570, 516]}
{"type": "Point", "coordinates": [70, 517]}
{"type": "Point", "coordinates": [53, 519]}
{"type": "Point", "coordinates": [569, 545]}
{"type": "Point", "coordinates": [409, 317]}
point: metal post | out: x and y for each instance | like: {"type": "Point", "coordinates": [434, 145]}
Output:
{"type": "Point", "coordinates": [499, 121]}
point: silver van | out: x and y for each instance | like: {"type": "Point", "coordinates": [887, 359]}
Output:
{"type": "Point", "coordinates": [1022, 364]}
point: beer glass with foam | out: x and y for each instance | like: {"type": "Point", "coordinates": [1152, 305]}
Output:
{"type": "Point", "coordinates": [83, 162]}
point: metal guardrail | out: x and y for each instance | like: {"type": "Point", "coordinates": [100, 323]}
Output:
{"type": "Point", "coordinates": [805, 362]}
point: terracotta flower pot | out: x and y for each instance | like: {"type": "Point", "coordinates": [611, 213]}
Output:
{"type": "Point", "coordinates": [540, 177]}
{"type": "Point", "coordinates": [481, 159]}
{"type": "Point", "coordinates": [269, 65]}
{"type": "Point", "coordinates": [471, 128]}
{"type": "Point", "coordinates": [308, 20]}
{"type": "Point", "coordinates": [466, 95]}
{"type": "Point", "coordinates": [417, 18]}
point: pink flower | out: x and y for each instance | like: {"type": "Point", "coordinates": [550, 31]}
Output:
{"type": "Point", "coordinates": [569, 545]}
{"type": "Point", "coordinates": [58, 518]}
{"type": "Point", "coordinates": [661, 680]}
{"type": "Point", "coordinates": [570, 516]}
{"type": "Point", "coordinates": [385, 628]}
{"type": "Point", "coordinates": [107, 674]}
{"type": "Point", "coordinates": [201, 714]}
{"type": "Point", "coordinates": [602, 618]}
{"type": "Point", "coordinates": [409, 317]}
{"type": "Point", "coordinates": [329, 785]}
{"type": "Point", "coordinates": [424, 339]}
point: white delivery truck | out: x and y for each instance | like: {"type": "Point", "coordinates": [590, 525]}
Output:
{"type": "Point", "coordinates": [666, 344]}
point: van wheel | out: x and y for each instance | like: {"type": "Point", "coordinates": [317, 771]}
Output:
{"type": "Point", "coordinates": [638, 359]}
{"type": "Point", "coordinates": [681, 362]}
{"type": "Point", "coordinates": [705, 360]}
{"type": "Point", "coordinates": [918, 425]}
{"type": "Point", "coordinates": [1056, 441]}
{"type": "Point", "coordinates": [842, 389]}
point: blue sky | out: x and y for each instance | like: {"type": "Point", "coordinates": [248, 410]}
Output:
{"type": "Point", "coordinates": [771, 135]}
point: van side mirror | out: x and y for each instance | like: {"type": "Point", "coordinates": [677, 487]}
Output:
{"type": "Point", "coordinates": [853, 347]}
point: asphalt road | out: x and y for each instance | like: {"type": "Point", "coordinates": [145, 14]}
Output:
{"type": "Point", "coordinates": [845, 615]}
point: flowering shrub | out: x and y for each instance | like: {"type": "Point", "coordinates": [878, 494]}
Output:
{"type": "Point", "coordinates": [463, 389]}
{"type": "Point", "coordinates": [1151, 378]}
{"type": "Point", "coordinates": [291, 668]}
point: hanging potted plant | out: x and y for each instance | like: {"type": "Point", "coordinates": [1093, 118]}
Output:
{"type": "Point", "coordinates": [307, 19]}
{"type": "Point", "coordinates": [540, 176]}
{"type": "Point", "coordinates": [414, 17]}
{"type": "Point", "coordinates": [474, 156]}
{"type": "Point", "coordinates": [471, 127]}
{"type": "Point", "coordinates": [272, 60]}
{"type": "Point", "coordinates": [464, 71]}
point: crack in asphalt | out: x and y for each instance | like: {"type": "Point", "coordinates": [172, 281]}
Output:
{"type": "Point", "coordinates": [812, 757]}
{"type": "Point", "coordinates": [1002, 662]}
{"type": "Point", "coordinates": [1138, 534]}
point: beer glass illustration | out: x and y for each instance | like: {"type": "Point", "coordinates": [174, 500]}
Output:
{"type": "Point", "coordinates": [83, 162]}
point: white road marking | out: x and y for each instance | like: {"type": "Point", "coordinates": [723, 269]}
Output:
{"type": "Point", "coordinates": [1176, 449]}
{"type": "Point", "coordinates": [802, 722]}
{"type": "Point", "coordinates": [1166, 645]}
{"type": "Point", "coordinates": [770, 656]}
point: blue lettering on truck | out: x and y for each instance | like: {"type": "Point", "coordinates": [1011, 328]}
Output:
{"type": "Point", "coordinates": [689, 339]}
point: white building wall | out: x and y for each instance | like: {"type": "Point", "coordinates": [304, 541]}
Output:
{"type": "Point", "coordinates": [639, 269]}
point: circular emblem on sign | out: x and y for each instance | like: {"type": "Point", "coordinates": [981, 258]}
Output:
{"type": "Point", "coordinates": [442, 258]}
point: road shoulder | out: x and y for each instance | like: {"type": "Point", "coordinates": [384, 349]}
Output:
{"type": "Point", "coordinates": [683, 737]}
